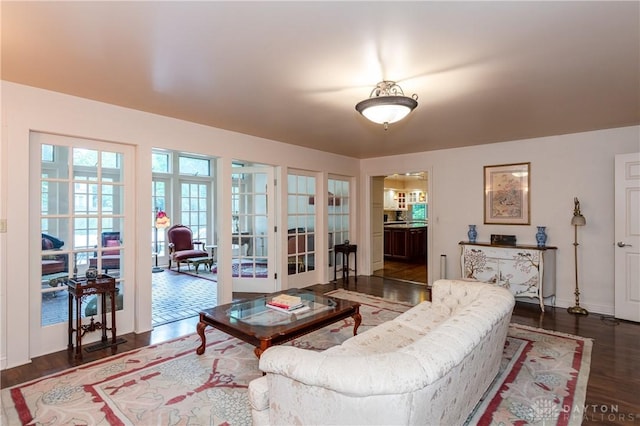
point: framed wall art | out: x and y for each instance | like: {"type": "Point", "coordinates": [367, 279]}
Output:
{"type": "Point", "coordinates": [506, 194]}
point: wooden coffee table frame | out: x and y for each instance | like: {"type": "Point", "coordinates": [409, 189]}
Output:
{"type": "Point", "coordinates": [263, 337]}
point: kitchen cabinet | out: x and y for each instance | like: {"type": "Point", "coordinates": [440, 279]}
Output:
{"type": "Point", "coordinates": [406, 242]}
{"type": "Point", "coordinates": [395, 200]}
{"type": "Point", "coordinates": [414, 197]}
{"type": "Point", "coordinates": [401, 198]}
{"type": "Point", "coordinates": [528, 271]}
{"type": "Point", "coordinates": [418, 243]}
{"type": "Point", "coordinates": [389, 200]}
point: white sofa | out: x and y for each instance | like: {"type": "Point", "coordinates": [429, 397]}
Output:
{"type": "Point", "coordinates": [428, 366]}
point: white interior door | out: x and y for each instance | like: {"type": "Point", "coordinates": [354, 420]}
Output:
{"type": "Point", "coordinates": [253, 233]}
{"type": "Point", "coordinates": [627, 234]}
{"type": "Point", "coordinates": [377, 223]}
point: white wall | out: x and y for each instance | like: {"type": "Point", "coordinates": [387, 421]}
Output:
{"type": "Point", "coordinates": [25, 108]}
{"type": "Point", "coordinates": [562, 167]}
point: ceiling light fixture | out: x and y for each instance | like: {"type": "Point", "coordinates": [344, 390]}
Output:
{"type": "Point", "coordinates": [387, 104]}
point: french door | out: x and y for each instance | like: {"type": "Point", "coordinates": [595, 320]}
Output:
{"type": "Point", "coordinates": [83, 190]}
{"type": "Point", "coordinates": [627, 236]}
{"type": "Point", "coordinates": [253, 230]}
{"type": "Point", "coordinates": [339, 217]}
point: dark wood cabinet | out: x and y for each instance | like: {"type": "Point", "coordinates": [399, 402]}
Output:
{"type": "Point", "coordinates": [418, 243]}
{"type": "Point", "coordinates": [405, 242]}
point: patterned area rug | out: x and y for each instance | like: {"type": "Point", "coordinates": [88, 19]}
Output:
{"type": "Point", "coordinates": [544, 376]}
{"type": "Point", "coordinates": [245, 269]}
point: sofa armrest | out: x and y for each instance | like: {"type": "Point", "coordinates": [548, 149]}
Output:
{"type": "Point", "coordinates": [336, 372]}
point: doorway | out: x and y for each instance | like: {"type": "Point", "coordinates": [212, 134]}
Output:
{"type": "Point", "coordinates": [404, 226]}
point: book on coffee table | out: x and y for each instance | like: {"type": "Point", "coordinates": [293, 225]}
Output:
{"type": "Point", "coordinates": [286, 300]}
{"type": "Point", "coordinates": [289, 310]}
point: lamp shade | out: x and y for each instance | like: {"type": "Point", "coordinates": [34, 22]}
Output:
{"type": "Point", "coordinates": [162, 220]}
{"type": "Point", "coordinates": [578, 220]}
{"type": "Point", "coordinates": [387, 104]}
{"type": "Point", "coordinates": [386, 109]}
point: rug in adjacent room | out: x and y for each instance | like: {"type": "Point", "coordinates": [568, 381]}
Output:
{"type": "Point", "coordinates": [543, 373]}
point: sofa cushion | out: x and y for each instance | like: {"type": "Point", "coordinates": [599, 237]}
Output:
{"type": "Point", "coordinates": [386, 337]}
{"type": "Point", "coordinates": [189, 254]}
{"type": "Point", "coordinates": [111, 243]}
{"type": "Point", "coordinates": [52, 266]}
{"type": "Point", "coordinates": [259, 397]}
{"type": "Point", "coordinates": [47, 244]}
{"type": "Point", "coordinates": [424, 316]}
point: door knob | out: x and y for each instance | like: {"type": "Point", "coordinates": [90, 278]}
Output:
{"type": "Point", "coordinates": [621, 244]}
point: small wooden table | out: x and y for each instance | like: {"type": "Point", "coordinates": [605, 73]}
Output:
{"type": "Point", "coordinates": [252, 322]}
{"type": "Point", "coordinates": [197, 261]}
{"type": "Point", "coordinates": [82, 287]}
{"type": "Point", "coordinates": [345, 249]}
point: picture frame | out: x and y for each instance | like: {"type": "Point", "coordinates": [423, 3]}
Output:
{"type": "Point", "coordinates": [506, 194]}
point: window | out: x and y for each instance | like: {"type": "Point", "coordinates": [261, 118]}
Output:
{"type": "Point", "coordinates": [160, 202]}
{"type": "Point", "coordinates": [194, 200]}
{"type": "Point", "coordinates": [190, 178]}
{"type": "Point", "coordinates": [194, 166]}
{"type": "Point", "coordinates": [161, 162]}
{"type": "Point", "coordinates": [47, 153]}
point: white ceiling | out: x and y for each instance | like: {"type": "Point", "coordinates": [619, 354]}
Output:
{"type": "Point", "coordinates": [293, 71]}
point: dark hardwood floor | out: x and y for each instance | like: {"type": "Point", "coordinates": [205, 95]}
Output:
{"type": "Point", "coordinates": [404, 270]}
{"type": "Point", "coordinates": [613, 393]}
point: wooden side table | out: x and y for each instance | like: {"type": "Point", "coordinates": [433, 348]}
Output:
{"type": "Point", "coordinates": [197, 261]}
{"type": "Point", "coordinates": [82, 287]}
{"type": "Point", "coordinates": [345, 250]}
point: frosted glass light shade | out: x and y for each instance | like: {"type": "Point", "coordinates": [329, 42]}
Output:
{"type": "Point", "coordinates": [387, 104]}
{"type": "Point", "coordinates": [386, 109]}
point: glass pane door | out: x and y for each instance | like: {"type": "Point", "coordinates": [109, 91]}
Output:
{"type": "Point", "coordinates": [301, 223]}
{"type": "Point", "coordinates": [252, 229]}
{"type": "Point", "coordinates": [82, 225]}
{"type": "Point", "coordinates": [338, 217]}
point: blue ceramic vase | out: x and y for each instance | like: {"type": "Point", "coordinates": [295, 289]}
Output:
{"type": "Point", "coordinates": [541, 236]}
{"type": "Point", "coordinates": [472, 233]}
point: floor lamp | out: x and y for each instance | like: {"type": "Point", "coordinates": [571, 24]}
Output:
{"type": "Point", "coordinates": [161, 222]}
{"type": "Point", "coordinates": [577, 220]}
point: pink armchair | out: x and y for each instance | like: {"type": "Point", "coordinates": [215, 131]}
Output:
{"type": "Point", "coordinates": [110, 258]}
{"type": "Point", "coordinates": [53, 263]}
{"type": "Point", "coordinates": [181, 245]}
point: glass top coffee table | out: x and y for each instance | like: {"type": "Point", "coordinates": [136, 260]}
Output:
{"type": "Point", "coordinates": [252, 321]}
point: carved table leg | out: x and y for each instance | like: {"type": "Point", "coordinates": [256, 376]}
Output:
{"type": "Point", "coordinates": [79, 331]}
{"type": "Point", "coordinates": [200, 329]}
{"type": "Point", "coordinates": [358, 319]}
{"type": "Point", "coordinates": [264, 345]}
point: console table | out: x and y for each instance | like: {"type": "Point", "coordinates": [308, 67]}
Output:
{"type": "Point", "coordinates": [528, 271]}
{"type": "Point", "coordinates": [82, 287]}
{"type": "Point", "coordinates": [345, 250]}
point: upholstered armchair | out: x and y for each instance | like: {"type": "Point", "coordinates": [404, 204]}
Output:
{"type": "Point", "coordinates": [296, 243]}
{"type": "Point", "coordinates": [53, 263]}
{"type": "Point", "coordinates": [110, 258]}
{"type": "Point", "coordinates": [181, 245]}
